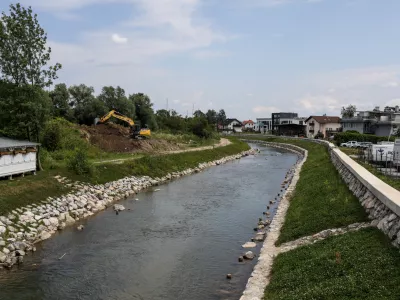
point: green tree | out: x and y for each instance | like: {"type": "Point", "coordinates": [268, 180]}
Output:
{"type": "Point", "coordinates": [211, 116]}
{"type": "Point", "coordinates": [24, 54]}
{"type": "Point", "coordinates": [221, 117]}
{"type": "Point", "coordinates": [81, 94]}
{"type": "Point", "coordinates": [144, 110]}
{"type": "Point", "coordinates": [114, 98]}
{"type": "Point", "coordinates": [199, 114]}
{"type": "Point", "coordinates": [60, 99]}
{"type": "Point", "coordinates": [349, 111]}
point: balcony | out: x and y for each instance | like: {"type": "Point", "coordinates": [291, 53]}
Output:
{"type": "Point", "coordinates": [330, 130]}
{"type": "Point", "coordinates": [312, 124]}
{"type": "Point", "coordinates": [311, 130]}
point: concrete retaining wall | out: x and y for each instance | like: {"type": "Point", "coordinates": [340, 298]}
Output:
{"type": "Point", "coordinates": [380, 200]}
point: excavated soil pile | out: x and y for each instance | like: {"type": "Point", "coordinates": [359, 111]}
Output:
{"type": "Point", "coordinates": [111, 137]}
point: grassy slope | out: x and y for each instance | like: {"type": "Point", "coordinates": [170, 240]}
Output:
{"type": "Point", "coordinates": [34, 189]}
{"type": "Point", "coordinates": [321, 199]}
{"type": "Point", "coordinates": [369, 269]}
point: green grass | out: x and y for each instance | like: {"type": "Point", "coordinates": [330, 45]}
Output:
{"type": "Point", "coordinates": [160, 165]}
{"type": "Point", "coordinates": [321, 199]}
{"type": "Point", "coordinates": [34, 189]}
{"type": "Point", "coordinates": [393, 182]}
{"type": "Point", "coordinates": [22, 191]}
{"type": "Point", "coordinates": [349, 151]}
{"type": "Point", "coordinates": [369, 269]}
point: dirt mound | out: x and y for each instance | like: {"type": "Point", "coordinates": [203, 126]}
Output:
{"type": "Point", "coordinates": [111, 137]}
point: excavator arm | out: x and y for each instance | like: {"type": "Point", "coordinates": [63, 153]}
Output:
{"type": "Point", "coordinates": [135, 129]}
{"type": "Point", "coordinates": [117, 115]}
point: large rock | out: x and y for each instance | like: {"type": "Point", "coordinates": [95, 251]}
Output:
{"type": "Point", "coordinates": [249, 255]}
{"type": "Point", "coordinates": [249, 245]}
{"type": "Point", "coordinates": [44, 235]}
{"type": "Point", "coordinates": [119, 207]}
{"type": "Point", "coordinates": [53, 221]}
{"type": "Point", "coordinates": [2, 229]}
{"type": "Point", "coordinates": [69, 220]}
{"type": "Point", "coordinates": [3, 257]}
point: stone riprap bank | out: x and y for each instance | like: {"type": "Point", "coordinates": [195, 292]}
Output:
{"type": "Point", "coordinates": [24, 227]}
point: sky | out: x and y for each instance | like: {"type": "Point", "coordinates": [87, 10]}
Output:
{"type": "Point", "coordinates": [249, 57]}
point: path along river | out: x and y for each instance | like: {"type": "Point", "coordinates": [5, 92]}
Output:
{"type": "Point", "coordinates": [177, 243]}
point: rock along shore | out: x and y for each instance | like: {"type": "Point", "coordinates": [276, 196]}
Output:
{"type": "Point", "coordinates": [25, 226]}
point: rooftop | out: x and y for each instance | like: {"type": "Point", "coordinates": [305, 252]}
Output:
{"type": "Point", "coordinates": [325, 119]}
{"type": "Point", "coordinates": [6, 143]}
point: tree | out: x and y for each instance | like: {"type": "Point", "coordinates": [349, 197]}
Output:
{"type": "Point", "coordinates": [349, 111]}
{"type": "Point", "coordinates": [144, 110]}
{"type": "Point", "coordinates": [114, 98]}
{"type": "Point", "coordinates": [211, 116]}
{"type": "Point", "coordinates": [81, 94]}
{"type": "Point", "coordinates": [221, 117]}
{"type": "Point", "coordinates": [60, 99]}
{"type": "Point", "coordinates": [199, 114]}
{"type": "Point", "coordinates": [23, 52]}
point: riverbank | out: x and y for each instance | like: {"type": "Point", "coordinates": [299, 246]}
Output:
{"type": "Point", "coordinates": [25, 226]}
{"type": "Point", "coordinates": [29, 190]}
{"type": "Point", "coordinates": [338, 264]}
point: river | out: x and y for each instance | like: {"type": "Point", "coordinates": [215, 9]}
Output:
{"type": "Point", "coordinates": [176, 243]}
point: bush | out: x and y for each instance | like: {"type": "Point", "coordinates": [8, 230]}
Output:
{"type": "Point", "coordinates": [79, 163]}
{"type": "Point", "coordinates": [52, 135]}
{"type": "Point", "coordinates": [344, 137]}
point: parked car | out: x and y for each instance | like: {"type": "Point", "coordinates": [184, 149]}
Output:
{"type": "Point", "coordinates": [364, 145]}
{"type": "Point", "coordinates": [350, 144]}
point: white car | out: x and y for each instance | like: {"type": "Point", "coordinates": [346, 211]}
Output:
{"type": "Point", "coordinates": [350, 144]}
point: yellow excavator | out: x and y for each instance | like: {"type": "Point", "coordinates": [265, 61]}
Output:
{"type": "Point", "coordinates": [136, 131]}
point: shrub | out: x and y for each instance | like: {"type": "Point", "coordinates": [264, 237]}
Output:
{"type": "Point", "coordinates": [79, 163]}
{"type": "Point", "coordinates": [344, 137]}
{"type": "Point", "coordinates": [52, 135]}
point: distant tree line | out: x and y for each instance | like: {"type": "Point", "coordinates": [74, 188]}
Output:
{"type": "Point", "coordinates": [29, 98]}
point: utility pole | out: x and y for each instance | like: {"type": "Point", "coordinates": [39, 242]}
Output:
{"type": "Point", "coordinates": [193, 110]}
{"type": "Point", "coordinates": [167, 104]}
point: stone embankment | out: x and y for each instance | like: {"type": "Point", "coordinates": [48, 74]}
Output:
{"type": "Point", "coordinates": [25, 226]}
{"type": "Point", "coordinates": [259, 278]}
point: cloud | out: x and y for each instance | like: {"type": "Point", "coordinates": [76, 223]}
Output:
{"type": "Point", "coordinates": [259, 110]}
{"type": "Point", "coordinates": [391, 84]}
{"type": "Point", "coordinates": [393, 102]}
{"type": "Point", "coordinates": [249, 95]}
{"type": "Point", "coordinates": [319, 104]}
{"type": "Point", "coordinates": [116, 38]}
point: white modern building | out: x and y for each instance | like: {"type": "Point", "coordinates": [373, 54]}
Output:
{"type": "Point", "coordinates": [17, 157]}
{"type": "Point", "coordinates": [263, 125]}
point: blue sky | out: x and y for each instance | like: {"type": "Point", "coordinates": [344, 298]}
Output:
{"type": "Point", "coordinates": [250, 57]}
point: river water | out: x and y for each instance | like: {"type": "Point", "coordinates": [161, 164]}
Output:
{"type": "Point", "coordinates": [176, 243]}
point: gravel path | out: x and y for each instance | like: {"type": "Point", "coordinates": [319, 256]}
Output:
{"type": "Point", "coordinates": [222, 142]}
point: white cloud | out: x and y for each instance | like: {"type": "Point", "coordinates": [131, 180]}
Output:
{"type": "Point", "coordinates": [259, 110]}
{"type": "Point", "coordinates": [116, 38]}
{"type": "Point", "coordinates": [249, 95]}
{"type": "Point", "coordinates": [391, 84]}
{"type": "Point", "coordinates": [393, 102]}
{"type": "Point", "coordinates": [319, 104]}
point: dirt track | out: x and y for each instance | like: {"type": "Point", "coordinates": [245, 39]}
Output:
{"type": "Point", "coordinates": [222, 142]}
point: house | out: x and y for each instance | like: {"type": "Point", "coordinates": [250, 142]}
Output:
{"type": "Point", "coordinates": [284, 118]}
{"type": "Point", "coordinates": [248, 125]}
{"type": "Point", "coordinates": [326, 125]}
{"type": "Point", "coordinates": [380, 123]}
{"type": "Point", "coordinates": [263, 125]}
{"type": "Point", "coordinates": [17, 157]}
{"type": "Point", "coordinates": [232, 125]}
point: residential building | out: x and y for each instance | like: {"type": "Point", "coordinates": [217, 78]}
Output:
{"type": "Point", "coordinates": [381, 123]}
{"type": "Point", "coordinates": [248, 125]}
{"type": "Point", "coordinates": [326, 125]}
{"type": "Point", "coordinates": [232, 125]}
{"type": "Point", "coordinates": [17, 157]}
{"type": "Point", "coordinates": [287, 123]}
{"type": "Point", "coordinates": [263, 125]}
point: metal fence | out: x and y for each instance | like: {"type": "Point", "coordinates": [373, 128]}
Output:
{"type": "Point", "coordinates": [386, 162]}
